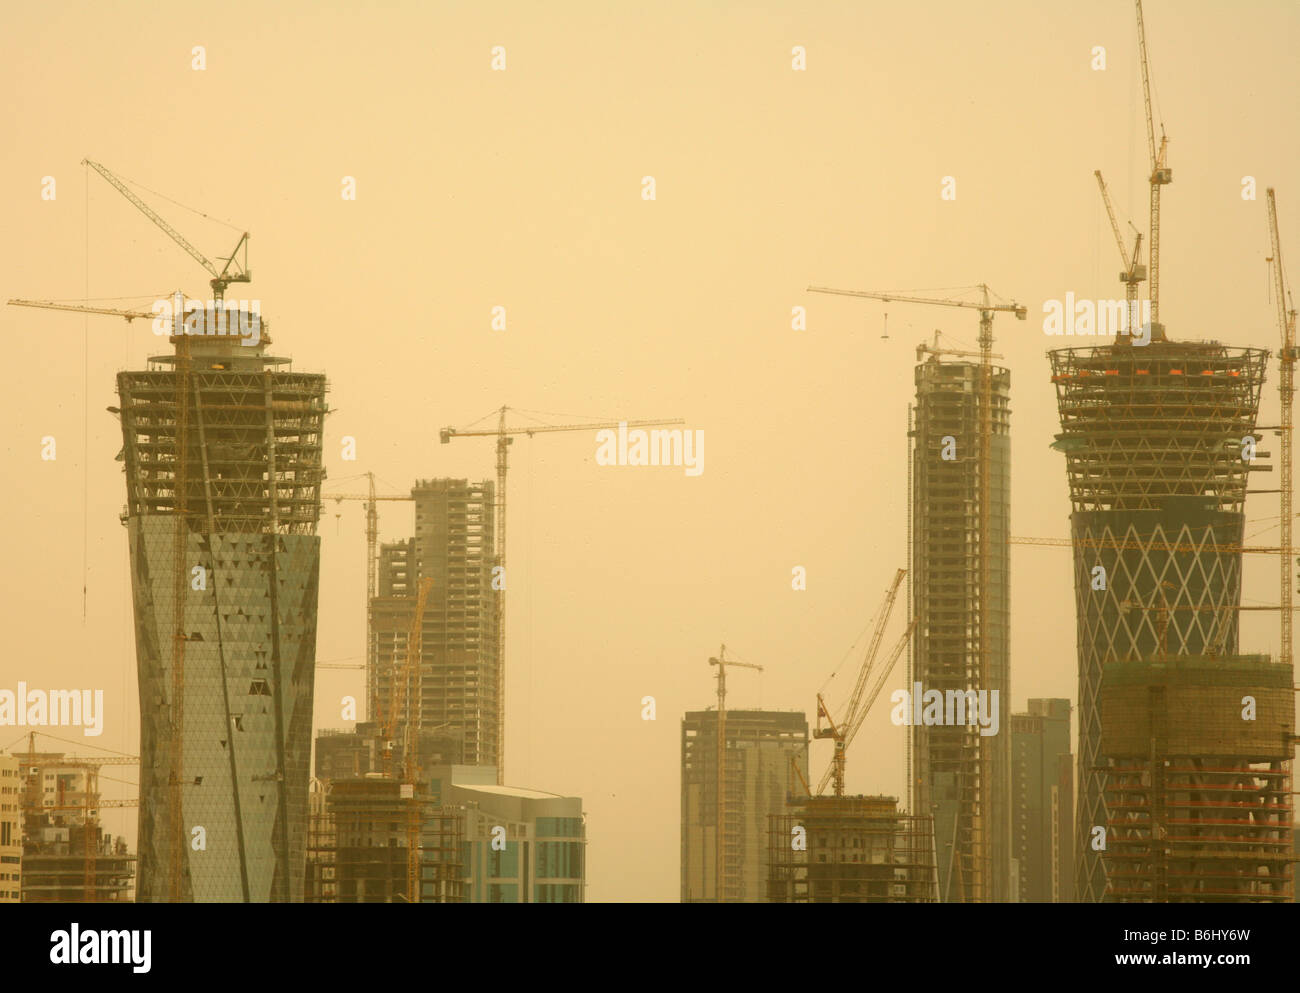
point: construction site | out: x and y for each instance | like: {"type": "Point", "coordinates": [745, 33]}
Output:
{"type": "Point", "coordinates": [222, 459]}
{"type": "Point", "coordinates": [1196, 753]}
{"type": "Point", "coordinates": [959, 776]}
{"type": "Point", "coordinates": [1179, 788]}
{"type": "Point", "coordinates": [66, 855]}
{"type": "Point", "coordinates": [456, 683]}
{"type": "Point", "coordinates": [1153, 439]}
{"type": "Point", "coordinates": [1185, 747]}
{"type": "Point", "coordinates": [858, 849]}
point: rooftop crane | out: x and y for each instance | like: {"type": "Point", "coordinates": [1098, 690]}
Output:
{"type": "Point", "coordinates": [923, 349]}
{"type": "Point", "coordinates": [860, 701]}
{"type": "Point", "coordinates": [720, 828]}
{"type": "Point", "coordinates": [1286, 315]}
{"type": "Point", "coordinates": [505, 437]}
{"type": "Point", "coordinates": [372, 575]}
{"type": "Point", "coordinates": [1134, 272]}
{"type": "Point", "coordinates": [987, 309]}
{"type": "Point", "coordinates": [1161, 175]}
{"type": "Point", "coordinates": [220, 279]}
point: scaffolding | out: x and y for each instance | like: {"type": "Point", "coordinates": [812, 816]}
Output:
{"type": "Point", "coordinates": [958, 776]}
{"type": "Point", "coordinates": [851, 849]}
{"type": "Point", "coordinates": [247, 419]}
{"type": "Point", "coordinates": [1198, 788]}
{"type": "Point", "coordinates": [358, 843]}
{"type": "Point", "coordinates": [67, 857]}
{"type": "Point", "coordinates": [1159, 443]}
{"type": "Point", "coordinates": [1167, 419]}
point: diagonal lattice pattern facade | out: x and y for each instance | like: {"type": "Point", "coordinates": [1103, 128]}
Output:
{"type": "Point", "coordinates": [223, 465]}
{"type": "Point", "coordinates": [1158, 442]}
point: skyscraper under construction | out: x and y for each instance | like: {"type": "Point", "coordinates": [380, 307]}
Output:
{"type": "Point", "coordinates": [222, 451]}
{"type": "Point", "coordinates": [1184, 746]}
{"type": "Point", "coordinates": [457, 683]}
{"type": "Point", "coordinates": [959, 776]}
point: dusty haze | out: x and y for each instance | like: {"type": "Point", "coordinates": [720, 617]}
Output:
{"type": "Point", "coordinates": [523, 189]}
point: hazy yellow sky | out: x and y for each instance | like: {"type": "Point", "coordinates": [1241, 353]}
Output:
{"type": "Point", "coordinates": [479, 188]}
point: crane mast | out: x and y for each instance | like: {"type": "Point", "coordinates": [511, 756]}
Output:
{"type": "Point", "coordinates": [1134, 272]}
{"type": "Point", "coordinates": [1286, 386]}
{"type": "Point", "coordinates": [369, 501]}
{"type": "Point", "coordinates": [1161, 175]}
{"type": "Point", "coordinates": [720, 827]}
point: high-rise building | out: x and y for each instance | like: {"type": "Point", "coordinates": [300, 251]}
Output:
{"type": "Point", "coordinates": [510, 845]}
{"type": "Point", "coordinates": [1159, 444]}
{"type": "Point", "coordinates": [222, 452]}
{"type": "Point", "coordinates": [11, 830]}
{"type": "Point", "coordinates": [767, 752]}
{"type": "Point", "coordinates": [458, 682]}
{"type": "Point", "coordinates": [67, 858]}
{"type": "Point", "coordinates": [1042, 815]}
{"type": "Point", "coordinates": [959, 776]}
{"type": "Point", "coordinates": [851, 849]}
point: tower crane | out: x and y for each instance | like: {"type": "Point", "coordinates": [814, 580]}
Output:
{"type": "Point", "coordinates": [1161, 175]}
{"type": "Point", "coordinates": [987, 309]}
{"type": "Point", "coordinates": [1134, 272]}
{"type": "Point", "coordinates": [372, 574]}
{"type": "Point", "coordinates": [860, 701]}
{"type": "Point", "coordinates": [720, 829]}
{"type": "Point", "coordinates": [220, 279]}
{"type": "Point", "coordinates": [505, 436]}
{"type": "Point", "coordinates": [1286, 315]}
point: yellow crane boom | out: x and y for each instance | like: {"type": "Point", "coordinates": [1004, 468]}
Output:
{"type": "Point", "coordinates": [1134, 272]}
{"type": "Point", "coordinates": [220, 279]}
{"type": "Point", "coordinates": [839, 733]}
